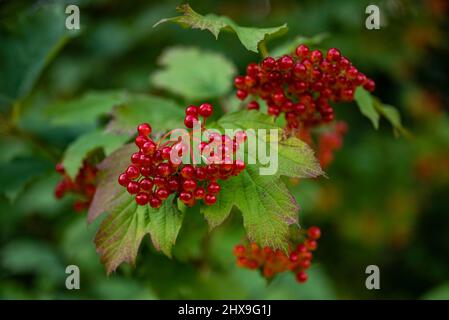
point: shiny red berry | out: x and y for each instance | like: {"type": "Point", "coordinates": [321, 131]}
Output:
{"type": "Point", "coordinates": [142, 198]}
{"type": "Point", "coordinates": [205, 110]}
{"type": "Point", "coordinates": [314, 233]}
{"type": "Point", "coordinates": [132, 172]}
{"type": "Point", "coordinates": [210, 199]}
{"type": "Point", "coordinates": [146, 184]}
{"type": "Point", "coordinates": [144, 129]}
{"type": "Point", "coordinates": [192, 111]}
{"type": "Point", "coordinates": [199, 193]}
{"type": "Point", "coordinates": [253, 105]}
{"type": "Point", "coordinates": [333, 55]}
{"type": "Point", "coordinates": [189, 185]}
{"type": "Point", "coordinates": [123, 179]}
{"type": "Point", "coordinates": [133, 187]}
{"type": "Point", "coordinates": [302, 51]}
{"type": "Point", "coordinates": [213, 187]}
{"type": "Point", "coordinates": [189, 121]}
{"type": "Point", "coordinates": [188, 171]}
{"type": "Point", "coordinates": [162, 193]}
{"type": "Point", "coordinates": [301, 277]}
{"type": "Point", "coordinates": [155, 202]}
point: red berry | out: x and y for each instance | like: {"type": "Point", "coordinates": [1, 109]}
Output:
{"type": "Point", "coordinates": [133, 187]}
{"type": "Point", "coordinates": [268, 63]}
{"type": "Point", "coordinates": [189, 121]}
{"type": "Point", "coordinates": [239, 164]}
{"type": "Point", "coordinates": [316, 56]}
{"type": "Point", "coordinates": [142, 198]}
{"type": "Point", "coordinates": [200, 173]}
{"type": "Point", "coordinates": [140, 140]}
{"type": "Point", "coordinates": [310, 244]}
{"type": "Point", "coordinates": [314, 233]}
{"type": "Point", "coordinates": [253, 105]}
{"type": "Point", "coordinates": [155, 202]}
{"type": "Point", "coordinates": [333, 55]}
{"type": "Point", "coordinates": [210, 199]}
{"type": "Point", "coordinates": [146, 184]}
{"type": "Point", "coordinates": [213, 187]}
{"type": "Point", "coordinates": [189, 185]}
{"type": "Point", "coordinates": [294, 256]}
{"type": "Point", "coordinates": [149, 148]}
{"type": "Point", "coordinates": [173, 184]}
{"type": "Point", "coordinates": [162, 193]}
{"type": "Point", "coordinates": [302, 51]}
{"type": "Point", "coordinates": [285, 62]}
{"type": "Point", "coordinates": [123, 179]}
{"type": "Point", "coordinates": [144, 129]}
{"type": "Point", "coordinates": [205, 110]}
{"type": "Point", "coordinates": [301, 277]}
{"type": "Point", "coordinates": [305, 263]}
{"type": "Point", "coordinates": [163, 169]}
{"type": "Point", "coordinates": [185, 196]}
{"type": "Point", "coordinates": [132, 172]}
{"type": "Point", "coordinates": [165, 153]}
{"type": "Point", "coordinates": [188, 171]}
{"type": "Point", "coordinates": [241, 94]}
{"type": "Point", "coordinates": [199, 193]}
{"type": "Point", "coordinates": [135, 157]}
{"type": "Point", "coordinates": [192, 111]}
{"type": "Point", "coordinates": [159, 181]}
{"type": "Point", "coordinates": [146, 171]}
{"type": "Point", "coordinates": [60, 168]}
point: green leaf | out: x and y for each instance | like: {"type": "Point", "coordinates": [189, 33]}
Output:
{"type": "Point", "coordinates": [297, 159]}
{"type": "Point", "coordinates": [268, 208]}
{"type": "Point", "coordinates": [289, 47]}
{"type": "Point", "coordinates": [366, 105]}
{"type": "Point", "coordinates": [249, 37]}
{"type": "Point", "coordinates": [83, 145]}
{"type": "Point", "coordinates": [194, 74]}
{"type": "Point", "coordinates": [108, 192]}
{"type": "Point", "coordinates": [120, 234]}
{"type": "Point", "coordinates": [161, 113]}
{"type": "Point", "coordinates": [28, 44]}
{"type": "Point", "coordinates": [86, 109]}
{"type": "Point", "coordinates": [394, 117]}
{"type": "Point", "coordinates": [373, 109]}
{"type": "Point", "coordinates": [164, 225]}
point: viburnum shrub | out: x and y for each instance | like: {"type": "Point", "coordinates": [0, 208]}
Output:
{"type": "Point", "coordinates": [155, 173]}
{"type": "Point", "coordinates": [271, 262]}
{"type": "Point", "coordinates": [83, 187]}
{"type": "Point", "coordinates": [147, 184]}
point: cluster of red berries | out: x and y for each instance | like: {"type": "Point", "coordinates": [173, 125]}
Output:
{"type": "Point", "coordinates": [83, 186]}
{"type": "Point", "coordinates": [155, 172]}
{"type": "Point", "coordinates": [302, 86]}
{"type": "Point", "coordinates": [270, 262]}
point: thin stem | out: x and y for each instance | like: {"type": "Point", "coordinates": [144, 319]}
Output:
{"type": "Point", "coordinates": [263, 49]}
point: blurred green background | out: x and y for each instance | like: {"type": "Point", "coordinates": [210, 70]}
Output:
{"type": "Point", "coordinates": [385, 203]}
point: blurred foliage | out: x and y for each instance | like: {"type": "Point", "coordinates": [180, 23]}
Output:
{"type": "Point", "coordinates": [385, 201]}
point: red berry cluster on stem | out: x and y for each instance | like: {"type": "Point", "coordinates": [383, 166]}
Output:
{"type": "Point", "coordinates": [302, 86]}
{"type": "Point", "coordinates": [153, 175]}
{"type": "Point", "coordinates": [83, 186]}
{"type": "Point", "coordinates": [270, 262]}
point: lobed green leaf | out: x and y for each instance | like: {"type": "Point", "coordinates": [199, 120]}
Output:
{"type": "Point", "coordinates": [249, 37]}
{"type": "Point", "coordinates": [194, 74]}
